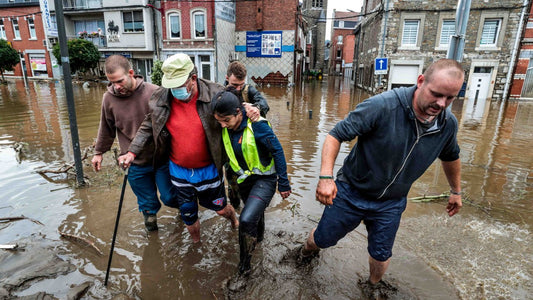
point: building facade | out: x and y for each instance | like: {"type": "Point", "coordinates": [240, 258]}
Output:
{"type": "Point", "coordinates": [342, 43]}
{"type": "Point", "coordinates": [21, 24]}
{"type": "Point", "coordinates": [125, 27]}
{"type": "Point", "coordinates": [413, 34]}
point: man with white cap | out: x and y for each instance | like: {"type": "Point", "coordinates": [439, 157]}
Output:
{"type": "Point", "coordinates": [183, 129]}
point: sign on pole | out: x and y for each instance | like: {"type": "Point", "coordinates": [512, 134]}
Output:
{"type": "Point", "coordinates": [381, 66]}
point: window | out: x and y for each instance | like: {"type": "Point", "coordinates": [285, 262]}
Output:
{"type": "Point", "coordinates": [2, 30]}
{"type": "Point", "coordinates": [31, 27]}
{"type": "Point", "coordinates": [133, 21]}
{"type": "Point", "coordinates": [350, 24]}
{"type": "Point", "coordinates": [339, 53]}
{"type": "Point", "coordinates": [16, 30]}
{"type": "Point", "coordinates": [336, 24]}
{"type": "Point", "coordinates": [174, 26]}
{"type": "Point", "coordinates": [447, 30]}
{"type": "Point", "coordinates": [489, 35]}
{"type": "Point", "coordinates": [205, 62]}
{"type": "Point", "coordinates": [318, 3]}
{"type": "Point", "coordinates": [410, 32]}
{"type": "Point", "coordinates": [199, 24]}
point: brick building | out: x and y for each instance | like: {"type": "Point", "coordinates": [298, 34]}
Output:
{"type": "Point", "coordinates": [189, 27]}
{"type": "Point", "coordinates": [21, 24]}
{"type": "Point", "coordinates": [522, 84]}
{"type": "Point", "coordinates": [413, 34]}
{"type": "Point", "coordinates": [266, 40]}
{"type": "Point", "coordinates": [342, 43]}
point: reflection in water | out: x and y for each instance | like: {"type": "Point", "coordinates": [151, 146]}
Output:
{"type": "Point", "coordinates": [480, 251]}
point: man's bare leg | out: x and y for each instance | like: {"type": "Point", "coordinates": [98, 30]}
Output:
{"type": "Point", "coordinates": [228, 212]}
{"type": "Point", "coordinates": [194, 231]}
{"type": "Point", "coordinates": [377, 269]}
{"type": "Point", "coordinates": [310, 247]}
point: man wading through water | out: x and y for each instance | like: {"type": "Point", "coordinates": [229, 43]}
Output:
{"type": "Point", "coordinates": [400, 133]}
{"type": "Point", "coordinates": [124, 106]}
{"type": "Point", "coordinates": [189, 139]}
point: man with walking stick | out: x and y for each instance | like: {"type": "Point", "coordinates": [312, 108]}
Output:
{"type": "Point", "coordinates": [124, 106]}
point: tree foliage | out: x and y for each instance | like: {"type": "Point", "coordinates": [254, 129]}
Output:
{"type": "Point", "coordinates": [9, 57]}
{"type": "Point", "coordinates": [157, 72]}
{"type": "Point", "coordinates": [83, 55]}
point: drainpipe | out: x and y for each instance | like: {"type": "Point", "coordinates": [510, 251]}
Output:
{"type": "Point", "coordinates": [514, 54]}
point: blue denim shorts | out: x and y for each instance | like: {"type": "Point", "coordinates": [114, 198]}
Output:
{"type": "Point", "coordinates": [382, 219]}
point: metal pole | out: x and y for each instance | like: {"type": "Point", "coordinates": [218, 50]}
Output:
{"type": "Point", "coordinates": [384, 35]}
{"type": "Point", "coordinates": [68, 91]}
{"type": "Point", "coordinates": [457, 41]}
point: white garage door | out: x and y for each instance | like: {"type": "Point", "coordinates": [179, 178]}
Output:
{"type": "Point", "coordinates": [403, 75]}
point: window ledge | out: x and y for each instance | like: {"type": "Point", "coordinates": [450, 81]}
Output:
{"type": "Point", "coordinates": [442, 48]}
{"type": "Point", "coordinates": [487, 48]}
{"type": "Point", "coordinates": [409, 48]}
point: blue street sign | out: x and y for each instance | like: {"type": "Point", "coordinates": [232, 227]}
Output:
{"type": "Point", "coordinates": [381, 65]}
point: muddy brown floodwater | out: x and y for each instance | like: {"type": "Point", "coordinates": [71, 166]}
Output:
{"type": "Point", "coordinates": [482, 253]}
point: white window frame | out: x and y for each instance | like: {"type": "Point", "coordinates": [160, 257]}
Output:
{"type": "Point", "coordinates": [2, 31]}
{"type": "Point", "coordinates": [171, 14]}
{"type": "Point", "coordinates": [490, 31]}
{"type": "Point", "coordinates": [410, 27]}
{"type": "Point", "coordinates": [419, 32]}
{"type": "Point", "coordinates": [194, 13]}
{"type": "Point", "coordinates": [317, 3]}
{"type": "Point", "coordinates": [31, 28]}
{"type": "Point", "coordinates": [499, 38]}
{"type": "Point", "coordinates": [16, 29]}
{"type": "Point", "coordinates": [444, 17]}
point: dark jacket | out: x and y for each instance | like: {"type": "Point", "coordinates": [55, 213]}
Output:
{"type": "Point", "coordinates": [121, 117]}
{"type": "Point", "coordinates": [154, 128]}
{"type": "Point", "coordinates": [268, 148]}
{"type": "Point", "coordinates": [251, 95]}
{"type": "Point", "coordinates": [390, 153]}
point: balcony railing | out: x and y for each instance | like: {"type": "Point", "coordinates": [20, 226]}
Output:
{"type": "Point", "coordinates": [81, 4]}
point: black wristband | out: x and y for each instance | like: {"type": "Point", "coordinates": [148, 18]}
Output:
{"type": "Point", "coordinates": [455, 193]}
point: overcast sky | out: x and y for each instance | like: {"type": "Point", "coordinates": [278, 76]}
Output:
{"type": "Point", "coordinates": [342, 5]}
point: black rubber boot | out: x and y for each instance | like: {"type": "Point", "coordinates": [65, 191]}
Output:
{"type": "Point", "coordinates": [247, 245]}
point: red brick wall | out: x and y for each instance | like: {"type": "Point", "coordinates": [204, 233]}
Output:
{"type": "Point", "coordinates": [266, 15]}
{"type": "Point", "coordinates": [25, 43]}
{"type": "Point", "coordinates": [185, 8]}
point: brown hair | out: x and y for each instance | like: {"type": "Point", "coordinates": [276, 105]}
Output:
{"type": "Point", "coordinates": [455, 68]}
{"type": "Point", "coordinates": [115, 62]}
{"type": "Point", "coordinates": [237, 69]}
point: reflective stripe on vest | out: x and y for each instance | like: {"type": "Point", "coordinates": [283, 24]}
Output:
{"type": "Point", "coordinates": [250, 153]}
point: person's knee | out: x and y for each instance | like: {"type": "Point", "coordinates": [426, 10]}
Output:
{"type": "Point", "coordinates": [189, 212]}
{"type": "Point", "coordinates": [379, 254]}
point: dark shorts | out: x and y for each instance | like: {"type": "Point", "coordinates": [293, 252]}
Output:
{"type": "Point", "coordinates": [382, 219]}
{"type": "Point", "coordinates": [193, 186]}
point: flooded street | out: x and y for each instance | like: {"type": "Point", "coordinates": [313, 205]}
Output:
{"type": "Point", "coordinates": [484, 252]}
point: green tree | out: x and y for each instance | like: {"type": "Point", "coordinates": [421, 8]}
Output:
{"type": "Point", "coordinates": [83, 55]}
{"type": "Point", "coordinates": [157, 73]}
{"type": "Point", "coordinates": [9, 58]}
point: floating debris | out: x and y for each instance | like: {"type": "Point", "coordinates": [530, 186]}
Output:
{"type": "Point", "coordinates": [81, 240]}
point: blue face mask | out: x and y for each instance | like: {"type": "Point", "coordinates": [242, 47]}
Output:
{"type": "Point", "coordinates": [180, 93]}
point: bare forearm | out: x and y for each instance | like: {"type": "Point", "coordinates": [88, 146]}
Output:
{"type": "Point", "coordinates": [452, 169]}
{"type": "Point", "coordinates": [329, 155]}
